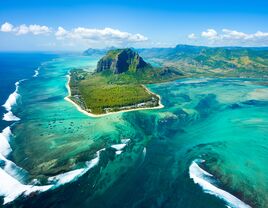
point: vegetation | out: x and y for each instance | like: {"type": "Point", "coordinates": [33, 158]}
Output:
{"type": "Point", "coordinates": [122, 60]}
{"type": "Point", "coordinates": [97, 94]}
{"type": "Point", "coordinates": [209, 61]}
{"type": "Point", "coordinates": [117, 83]}
{"type": "Point", "coordinates": [218, 61]}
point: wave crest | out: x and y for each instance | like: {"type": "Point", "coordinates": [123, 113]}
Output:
{"type": "Point", "coordinates": [36, 72]}
{"type": "Point", "coordinates": [5, 148]}
{"type": "Point", "coordinates": [202, 178]}
{"type": "Point", "coordinates": [12, 183]}
{"type": "Point", "coordinates": [10, 102]}
{"type": "Point", "coordinates": [12, 99]}
{"type": "Point", "coordinates": [9, 116]}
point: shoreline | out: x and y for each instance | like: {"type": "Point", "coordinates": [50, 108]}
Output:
{"type": "Point", "coordinates": [67, 98]}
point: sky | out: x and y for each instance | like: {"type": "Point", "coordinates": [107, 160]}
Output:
{"type": "Point", "coordinates": [75, 25]}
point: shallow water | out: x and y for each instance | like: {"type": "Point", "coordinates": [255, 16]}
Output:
{"type": "Point", "coordinates": [219, 124]}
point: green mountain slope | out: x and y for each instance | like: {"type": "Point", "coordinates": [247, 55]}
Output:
{"type": "Point", "coordinates": [117, 83]}
{"type": "Point", "coordinates": [208, 61]}
{"type": "Point", "coordinates": [232, 61]}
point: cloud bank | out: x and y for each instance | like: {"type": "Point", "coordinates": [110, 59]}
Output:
{"type": "Point", "coordinates": [25, 29]}
{"type": "Point", "coordinates": [192, 36]}
{"type": "Point", "coordinates": [105, 35]}
{"type": "Point", "coordinates": [6, 27]}
{"type": "Point", "coordinates": [231, 37]}
{"type": "Point", "coordinates": [78, 35]}
{"type": "Point", "coordinates": [93, 37]}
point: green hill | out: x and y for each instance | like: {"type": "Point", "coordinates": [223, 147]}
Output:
{"type": "Point", "coordinates": [117, 83]}
{"type": "Point", "coordinates": [208, 61]}
{"type": "Point", "coordinates": [227, 61]}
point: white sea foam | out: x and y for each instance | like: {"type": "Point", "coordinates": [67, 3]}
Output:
{"type": "Point", "coordinates": [201, 177]}
{"type": "Point", "coordinates": [90, 164]}
{"type": "Point", "coordinates": [5, 148]}
{"type": "Point", "coordinates": [7, 165]}
{"type": "Point", "coordinates": [11, 188]}
{"type": "Point", "coordinates": [9, 116]}
{"type": "Point", "coordinates": [13, 170]}
{"type": "Point", "coordinates": [11, 101]}
{"type": "Point", "coordinates": [66, 177]}
{"type": "Point", "coordinates": [125, 141]}
{"type": "Point", "coordinates": [12, 177]}
{"type": "Point", "coordinates": [73, 175]}
{"type": "Point", "coordinates": [144, 151]}
{"type": "Point", "coordinates": [36, 72]}
{"type": "Point", "coordinates": [118, 146]}
{"type": "Point", "coordinates": [118, 152]}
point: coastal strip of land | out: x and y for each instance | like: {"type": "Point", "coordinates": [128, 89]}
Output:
{"type": "Point", "coordinates": [79, 108]}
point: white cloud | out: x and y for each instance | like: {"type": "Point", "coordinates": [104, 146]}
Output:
{"type": "Point", "coordinates": [6, 27]}
{"type": "Point", "coordinates": [192, 36]}
{"type": "Point", "coordinates": [80, 36]}
{"type": "Point", "coordinates": [24, 29]}
{"type": "Point", "coordinates": [228, 34]}
{"type": "Point", "coordinates": [261, 34]}
{"type": "Point", "coordinates": [33, 29]}
{"type": "Point", "coordinates": [38, 29]}
{"type": "Point", "coordinates": [61, 33]}
{"type": "Point", "coordinates": [97, 35]}
{"type": "Point", "coordinates": [233, 34]}
{"type": "Point", "coordinates": [210, 34]}
{"type": "Point", "coordinates": [231, 37]}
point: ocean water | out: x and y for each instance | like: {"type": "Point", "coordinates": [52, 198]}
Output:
{"type": "Point", "coordinates": [207, 148]}
{"type": "Point", "coordinates": [15, 67]}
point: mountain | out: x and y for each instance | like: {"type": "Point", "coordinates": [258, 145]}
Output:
{"type": "Point", "coordinates": [202, 60]}
{"type": "Point", "coordinates": [188, 57]}
{"type": "Point", "coordinates": [118, 83]}
{"type": "Point", "coordinates": [94, 52]}
{"type": "Point", "coordinates": [97, 52]}
{"type": "Point", "coordinates": [122, 60]}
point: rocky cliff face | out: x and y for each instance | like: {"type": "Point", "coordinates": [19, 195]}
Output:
{"type": "Point", "coordinates": [121, 60]}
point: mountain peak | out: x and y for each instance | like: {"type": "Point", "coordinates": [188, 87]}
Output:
{"type": "Point", "coordinates": [121, 60]}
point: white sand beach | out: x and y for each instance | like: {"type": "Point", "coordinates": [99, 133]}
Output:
{"type": "Point", "coordinates": [67, 98]}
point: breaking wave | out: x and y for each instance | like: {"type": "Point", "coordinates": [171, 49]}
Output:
{"type": "Point", "coordinates": [5, 148]}
{"type": "Point", "coordinates": [205, 180]}
{"type": "Point", "coordinates": [119, 147]}
{"type": "Point", "coordinates": [72, 175]}
{"type": "Point", "coordinates": [11, 188]}
{"type": "Point", "coordinates": [9, 116]}
{"type": "Point", "coordinates": [10, 102]}
{"type": "Point", "coordinates": [36, 72]}
{"type": "Point", "coordinates": [13, 178]}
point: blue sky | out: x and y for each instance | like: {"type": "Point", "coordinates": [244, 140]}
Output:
{"type": "Point", "coordinates": [77, 25]}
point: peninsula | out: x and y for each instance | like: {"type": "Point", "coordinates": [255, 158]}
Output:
{"type": "Point", "coordinates": [117, 84]}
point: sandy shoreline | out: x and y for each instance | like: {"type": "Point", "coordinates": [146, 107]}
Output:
{"type": "Point", "coordinates": [67, 98]}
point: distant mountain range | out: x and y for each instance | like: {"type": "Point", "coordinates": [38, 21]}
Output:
{"type": "Point", "coordinates": [231, 61]}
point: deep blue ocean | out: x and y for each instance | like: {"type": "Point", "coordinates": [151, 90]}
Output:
{"type": "Point", "coordinates": [15, 66]}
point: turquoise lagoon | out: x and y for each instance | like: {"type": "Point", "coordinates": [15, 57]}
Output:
{"type": "Point", "coordinates": [207, 148]}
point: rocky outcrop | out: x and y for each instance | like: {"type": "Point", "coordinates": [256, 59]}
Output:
{"type": "Point", "coordinates": [122, 60]}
